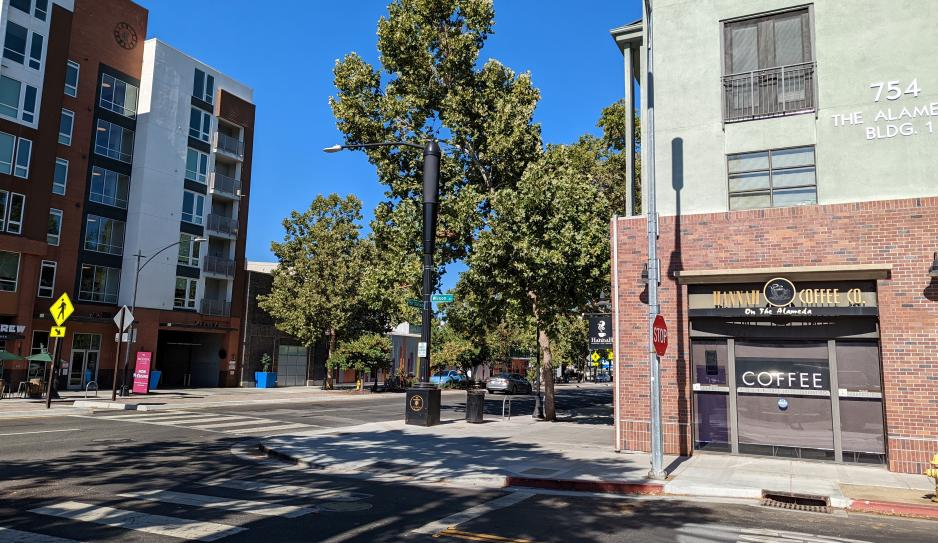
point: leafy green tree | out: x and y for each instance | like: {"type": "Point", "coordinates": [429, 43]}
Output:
{"type": "Point", "coordinates": [366, 354]}
{"type": "Point", "coordinates": [431, 84]}
{"type": "Point", "coordinates": [547, 249]}
{"type": "Point", "coordinates": [324, 283]}
{"type": "Point", "coordinates": [571, 341]}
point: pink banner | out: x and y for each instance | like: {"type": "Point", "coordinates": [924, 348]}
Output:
{"type": "Point", "coordinates": [142, 373]}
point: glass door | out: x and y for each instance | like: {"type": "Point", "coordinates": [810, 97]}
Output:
{"type": "Point", "coordinates": [84, 362]}
{"type": "Point", "coordinates": [76, 369]}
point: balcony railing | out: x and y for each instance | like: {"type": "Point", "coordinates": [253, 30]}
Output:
{"type": "Point", "coordinates": [222, 224]}
{"type": "Point", "coordinates": [226, 185]}
{"type": "Point", "coordinates": [218, 308]}
{"type": "Point", "coordinates": [219, 266]}
{"type": "Point", "coordinates": [771, 92]}
{"type": "Point", "coordinates": [229, 144]}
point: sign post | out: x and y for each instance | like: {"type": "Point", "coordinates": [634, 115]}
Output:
{"type": "Point", "coordinates": [123, 319]}
{"type": "Point", "coordinates": [61, 310]}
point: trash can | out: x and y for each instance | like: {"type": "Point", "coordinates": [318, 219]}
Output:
{"type": "Point", "coordinates": [475, 405]}
{"type": "Point", "coordinates": [423, 406]}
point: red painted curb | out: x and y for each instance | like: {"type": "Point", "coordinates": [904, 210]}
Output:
{"type": "Point", "coordinates": [648, 489]}
{"type": "Point", "coordinates": [895, 509]}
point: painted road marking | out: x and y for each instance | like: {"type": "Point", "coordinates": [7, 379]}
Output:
{"type": "Point", "coordinates": [242, 422]}
{"type": "Point", "coordinates": [9, 535]}
{"type": "Point", "coordinates": [40, 432]}
{"type": "Point", "coordinates": [157, 417]}
{"type": "Point", "coordinates": [218, 502]}
{"type": "Point", "coordinates": [336, 494]}
{"type": "Point", "coordinates": [449, 532]}
{"type": "Point", "coordinates": [718, 533]}
{"type": "Point", "coordinates": [449, 522]}
{"type": "Point", "coordinates": [142, 522]}
{"type": "Point", "coordinates": [203, 420]}
{"type": "Point", "coordinates": [268, 429]}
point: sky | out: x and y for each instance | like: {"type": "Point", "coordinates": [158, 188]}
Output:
{"type": "Point", "coordinates": [286, 51]}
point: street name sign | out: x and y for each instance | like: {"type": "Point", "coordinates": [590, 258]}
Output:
{"type": "Point", "coordinates": [446, 298]}
{"type": "Point", "coordinates": [62, 309]}
{"type": "Point", "coordinates": [415, 303]}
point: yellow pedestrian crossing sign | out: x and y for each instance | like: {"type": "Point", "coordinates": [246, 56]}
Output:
{"type": "Point", "coordinates": [610, 355]}
{"type": "Point", "coordinates": [57, 331]}
{"type": "Point", "coordinates": [62, 309]}
{"type": "Point", "coordinates": [595, 356]}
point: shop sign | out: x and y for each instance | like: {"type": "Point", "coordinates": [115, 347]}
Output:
{"type": "Point", "coordinates": [600, 332]}
{"type": "Point", "coordinates": [780, 297]}
{"type": "Point", "coordinates": [782, 374]}
{"type": "Point", "coordinates": [142, 373]}
{"type": "Point", "coordinates": [12, 331]}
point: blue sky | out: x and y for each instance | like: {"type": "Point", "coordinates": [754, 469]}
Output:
{"type": "Point", "coordinates": [286, 51]}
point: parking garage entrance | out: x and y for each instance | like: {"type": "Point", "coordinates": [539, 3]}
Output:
{"type": "Point", "coordinates": [190, 359]}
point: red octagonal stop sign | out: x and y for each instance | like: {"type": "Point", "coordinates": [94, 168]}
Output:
{"type": "Point", "coordinates": [659, 335]}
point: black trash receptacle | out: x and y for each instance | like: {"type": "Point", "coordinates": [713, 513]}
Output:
{"type": "Point", "coordinates": [475, 405]}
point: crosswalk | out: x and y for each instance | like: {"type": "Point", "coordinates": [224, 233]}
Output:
{"type": "Point", "coordinates": [235, 424]}
{"type": "Point", "coordinates": [211, 510]}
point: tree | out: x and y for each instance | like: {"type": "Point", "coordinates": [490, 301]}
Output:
{"type": "Point", "coordinates": [366, 354]}
{"type": "Point", "coordinates": [571, 341]}
{"type": "Point", "coordinates": [324, 284]}
{"type": "Point", "coordinates": [547, 248]}
{"type": "Point", "coordinates": [430, 85]}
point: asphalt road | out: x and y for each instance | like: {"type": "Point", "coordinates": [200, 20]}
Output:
{"type": "Point", "coordinates": [191, 476]}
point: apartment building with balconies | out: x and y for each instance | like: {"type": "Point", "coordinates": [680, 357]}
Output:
{"type": "Point", "coordinates": [798, 217]}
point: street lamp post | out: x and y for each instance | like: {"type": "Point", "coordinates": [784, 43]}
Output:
{"type": "Point", "coordinates": [431, 193]}
{"type": "Point", "coordinates": [133, 305]}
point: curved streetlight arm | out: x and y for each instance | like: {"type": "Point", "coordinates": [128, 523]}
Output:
{"type": "Point", "coordinates": [352, 146]}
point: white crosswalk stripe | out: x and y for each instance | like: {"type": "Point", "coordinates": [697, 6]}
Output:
{"type": "Point", "coordinates": [217, 502]}
{"type": "Point", "coordinates": [211, 422]}
{"type": "Point", "coordinates": [273, 489]}
{"type": "Point", "coordinates": [142, 522]}
{"type": "Point", "coordinates": [9, 535]}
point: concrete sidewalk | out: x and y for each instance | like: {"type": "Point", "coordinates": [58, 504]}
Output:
{"type": "Point", "coordinates": [569, 456]}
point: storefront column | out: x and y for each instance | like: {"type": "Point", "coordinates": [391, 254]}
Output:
{"type": "Point", "coordinates": [835, 401]}
{"type": "Point", "coordinates": [731, 381]}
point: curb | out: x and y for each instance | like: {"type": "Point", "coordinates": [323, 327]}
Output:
{"type": "Point", "coordinates": [894, 509]}
{"type": "Point", "coordinates": [604, 487]}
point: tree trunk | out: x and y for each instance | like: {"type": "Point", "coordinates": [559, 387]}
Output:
{"type": "Point", "coordinates": [327, 384]}
{"type": "Point", "coordinates": [547, 376]}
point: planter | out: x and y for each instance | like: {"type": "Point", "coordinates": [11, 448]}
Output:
{"type": "Point", "coordinates": [265, 379]}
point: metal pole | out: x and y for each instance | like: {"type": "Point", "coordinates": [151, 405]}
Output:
{"type": "Point", "coordinates": [431, 191]}
{"type": "Point", "coordinates": [133, 327]}
{"type": "Point", "coordinates": [657, 454]}
{"type": "Point", "coordinates": [117, 357]}
{"type": "Point", "coordinates": [53, 371]}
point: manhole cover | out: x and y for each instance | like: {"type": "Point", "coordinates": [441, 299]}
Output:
{"type": "Point", "coordinates": [345, 507]}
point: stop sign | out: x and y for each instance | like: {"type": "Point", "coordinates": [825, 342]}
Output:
{"type": "Point", "coordinates": [659, 335]}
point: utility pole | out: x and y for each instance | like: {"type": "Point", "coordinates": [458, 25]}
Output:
{"type": "Point", "coordinates": [654, 274]}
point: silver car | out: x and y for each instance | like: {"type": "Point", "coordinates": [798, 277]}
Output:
{"type": "Point", "coordinates": [509, 383]}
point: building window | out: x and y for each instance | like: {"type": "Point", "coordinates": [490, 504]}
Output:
{"type": "Point", "coordinates": [9, 97]}
{"type": "Point", "coordinates": [9, 271]}
{"type": "Point", "coordinates": [114, 141]}
{"type": "Point", "coordinates": [104, 235]}
{"type": "Point", "coordinates": [14, 45]}
{"type": "Point", "coordinates": [22, 5]}
{"type": "Point", "coordinates": [204, 86]}
{"type": "Point", "coordinates": [99, 284]}
{"type": "Point", "coordinates": [71, 78]}
{"type": "Point", "coordinates": [55, 227]}
{"type": "Point", "coordinates": [188, 250]}
{"type": "Point", "coordinates": [118, 96]}
{"type": "Point", "coordinates": [185, 293]}
{"type": "Point", "coordinates": [47, 279]}
{"type": "Point", "coordinates": [7, 143]}
{"type": "Point", "coordinates": [40, 342]}
{"type": "Point", "coordinates": [42, 9]}
{"type": "Point", "coordinates": [776, 178]}
{"type": "Point", "coordinates": [24, 151]}
{"type": "Point", "coordinates": [109, 188]}
{"type": "Point", "coordinates": [200, 124]}
{"type": "Point", "coordinates": [66, 123]}
{"type": "Point", "coordinates": [196, 165]}
{"type": "Point", "coordinates": [35, 52]}
{"type": "Point", "coordinates": [192, 207]}
{"type": "Point", "coordinates": [768, 66]}
{"type": "Point", "coordinates": [15, 211]}
{"type": "Point", "coordinates": [60, 177]}
{"type": "Point", "coordinates": [29, 104]}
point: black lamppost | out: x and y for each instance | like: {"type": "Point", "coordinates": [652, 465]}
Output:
{"type": "Point", "coordinates": [431, 193]}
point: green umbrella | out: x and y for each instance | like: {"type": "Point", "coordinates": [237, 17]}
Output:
{"type": "Point", "coordinates": [39, 357]}
{"type": "Point", "coordinates": [4, 356]}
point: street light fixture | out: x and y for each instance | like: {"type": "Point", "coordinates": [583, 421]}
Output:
{"type": "Point", "coordinates": [933, 271]}
{"type": "Point", "coordinates": [133, 303]}
{"type": "Point", "coordinates": [431, 193]}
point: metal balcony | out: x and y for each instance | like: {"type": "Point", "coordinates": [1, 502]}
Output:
{"type": "Point", "coordinates": [218, 266]}
{"type": "Point", "coordinates": [222, 185]}
{"type": "Point", "coordinates": [217, 308]}
{"type": "Point", "coordinates": [222, 225]}
{"type": "Point", "coordinates": [229, 145]}
{"type": "Point", "coordinates": [771, 92]}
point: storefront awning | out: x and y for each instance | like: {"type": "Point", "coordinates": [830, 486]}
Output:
{"type": "Point", "coordinates": [849, 272]}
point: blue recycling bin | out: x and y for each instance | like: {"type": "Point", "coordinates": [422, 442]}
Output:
{"type": "Point", "coordinates": [155, 378]}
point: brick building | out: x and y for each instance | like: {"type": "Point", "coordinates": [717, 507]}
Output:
{"type": "Point", "coordinates": [798, 217]}
{"type": "Point", "coordinates": [113, 146]}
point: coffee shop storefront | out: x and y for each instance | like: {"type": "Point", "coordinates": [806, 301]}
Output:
{"type": "Point", "coordinates": [786, 369]}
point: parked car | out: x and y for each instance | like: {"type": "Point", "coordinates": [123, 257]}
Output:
{"type": "Point", "coordinates": [448, 377]}
{"type": "Point", "coordinates": [509, 383]}
{"type": "Point", "coordinates": [603, 378]}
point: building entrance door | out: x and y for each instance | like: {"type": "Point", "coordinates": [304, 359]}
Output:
{"type": "Point", "coordinates": [86, 349]}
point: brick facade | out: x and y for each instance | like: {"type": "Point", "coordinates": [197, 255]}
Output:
{"type": "Point", "coordinates": [900, 233]}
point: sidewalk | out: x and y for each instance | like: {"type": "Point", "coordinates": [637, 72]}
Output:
{"type": "Point", "coordinates": [570, 456]}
